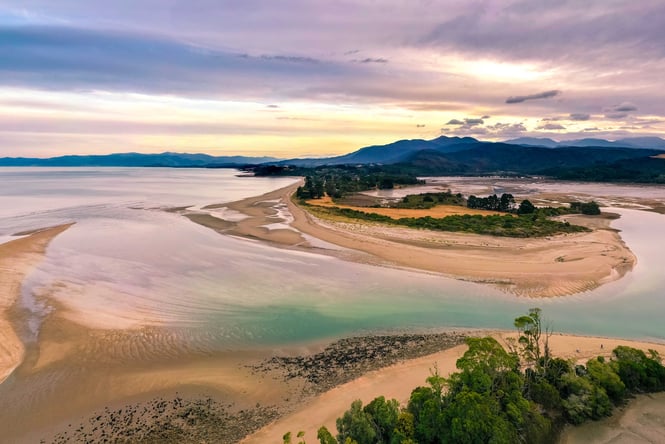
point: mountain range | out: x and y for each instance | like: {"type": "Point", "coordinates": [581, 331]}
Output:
{"type": "Point", "coordinates": [630, 160]}
{"type": "Point", "coordinates": [166, 159]}
{"type": "Point", "coordinates": [632, 142]}
{"type": "Point", "coordinates": [440, 155]}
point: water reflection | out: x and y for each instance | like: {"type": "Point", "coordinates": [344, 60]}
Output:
{"type": "Point", "coordinates": [121, 267]}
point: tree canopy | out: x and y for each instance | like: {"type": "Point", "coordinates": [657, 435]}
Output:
{"type": "Point", "coordinates": [522, 394]}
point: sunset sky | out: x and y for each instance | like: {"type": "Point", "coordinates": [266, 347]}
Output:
{"type": "Point", "coordinates": [318, 77]}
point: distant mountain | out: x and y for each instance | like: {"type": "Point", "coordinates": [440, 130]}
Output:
{"type": "Point", "coordinates": [630, 142]}
{"type": "Point", "coordinates": [644, 142]}
{"type": "Point", "coordinates": [166, 159]}
{"type": "Point", "coordinates": [391, 153]}
{"type": "Point", "coordinates": [534, 141]}
{"type": "Point", "coordinates": [503, 158]}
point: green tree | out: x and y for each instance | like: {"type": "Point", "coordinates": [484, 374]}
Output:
{"type": "Point", "coordinates": [357, 425]}
{"type": "Point", "coordinates": [473, 418]}
{"type": "Point", "coordinates": [405, 430]}
{"type": "Point", "coordinates": [383, 415]}
{"type": "Point", "coordinates": [526, 207]}
{"type": "Point", "coordinates": [530, 330]}
{"type": "Point", "coordinates": [507, 202]}
{"type": "Point", "coordinates": [603, 374]}
{"type": "Point", "coordinates": [324, 436]}
{"type": "Point", "coordinates": [584, 400]}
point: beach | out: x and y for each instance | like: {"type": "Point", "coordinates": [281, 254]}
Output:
{"type": "Point", "coordinates": [397, 382]}
{"type": "Point", "coordinates": [554, 266]}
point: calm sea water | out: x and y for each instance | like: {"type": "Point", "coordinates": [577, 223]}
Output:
{"type": "Point", "coordinates": [126, 263]}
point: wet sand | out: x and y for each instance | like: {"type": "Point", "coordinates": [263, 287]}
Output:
{"type": "Point", "coordinates": [535, 267]}
{"type": "Point", "coordinates": [77, 383]}
{"type": "Point", "coordinates": [642, 421]}
{"type": "Point", "coordinates": [17, 258]}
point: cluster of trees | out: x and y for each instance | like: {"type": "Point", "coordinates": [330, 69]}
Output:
{"type": "Point", "coordinates": [338, 181]}
{"type": "Point", "coordinates": [589, 208]}
{"type": "Point", "coordinates": [313, 189]}
{"type": "Point", "coordinates": [499, 395]}
{"type": "Point", "coordinates": [505, 203]}
{"type": "Point", "coordinates": [429, 200]}
{"type": "Point", "coordinates": [494, 225]}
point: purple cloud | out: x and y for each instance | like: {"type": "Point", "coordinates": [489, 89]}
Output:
{"type": "Point", "coordinates": [620, 111]}
{"type": "Point", "coordinates": [551, 127]}
{"type": "Point", "coordinates": [542, 95]}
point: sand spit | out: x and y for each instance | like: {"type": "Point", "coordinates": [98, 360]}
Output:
{"type": "Point", "coordinates": [17, 258]}
{"type": "Point", "coordinates": [534, 267]}
{"type": "Point", "coordinates": [397, 381]}
{"type": "Point", "coordinates": [95, 391]}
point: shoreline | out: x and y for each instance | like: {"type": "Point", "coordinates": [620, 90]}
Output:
{"type": "Point", "coordinates": [17, 258]}
{"type": "Point", "coordinates": [91, 373]}
{"type": "Point", "coordinates": [553, 266]}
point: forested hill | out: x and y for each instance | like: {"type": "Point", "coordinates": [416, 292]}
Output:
{"type": "Point", "coordinates": [137, 160]}
{"type": "Point", "coordinates": [501, 158]}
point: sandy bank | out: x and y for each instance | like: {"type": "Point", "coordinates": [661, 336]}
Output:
{"type": "Point", "coordinates": [83, 385]}
{"type": "Point", "coordinates": [399, 380]}
{"type": "Point", "coordinates": [536, 267]}
{"type": "Point", "coordinates": [641, 421]}
{"type": "Point", "coordinates": [17, 258]}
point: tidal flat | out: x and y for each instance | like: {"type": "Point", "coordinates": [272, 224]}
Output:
{"type": "Point", "coordinates": [134, 303]}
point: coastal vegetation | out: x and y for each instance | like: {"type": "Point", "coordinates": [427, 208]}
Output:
{"type": "Point", "coordinates": [508, 225]}
{"type": "Point", "coordinates": [519, 392]}
{"type": "Point", "coordinates": [523, 220]}
{"type": "Point", "coordinates": [340, 181]}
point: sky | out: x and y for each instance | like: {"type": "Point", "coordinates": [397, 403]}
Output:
{"type": "Point", "coordinates": [291, 78]}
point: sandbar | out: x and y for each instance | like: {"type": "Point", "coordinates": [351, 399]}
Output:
{"type": "Point", "coordinates": [17, 258]}
{"type": "Point", "coordinates": [552, 266]}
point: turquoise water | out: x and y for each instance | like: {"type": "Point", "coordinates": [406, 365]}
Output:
{"type": "Point", "coordinates": [127, 264]}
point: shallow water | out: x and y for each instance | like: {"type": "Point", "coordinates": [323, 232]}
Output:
{"type": "Point", "coordinates": [126, 264]}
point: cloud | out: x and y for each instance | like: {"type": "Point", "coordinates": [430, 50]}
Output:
{"type": "Point", "coordinates": [551, 127]}
{"type": "Point", "coordinates": [542, 95]}
{"type": "Point", "coordinates": [620, 111]}
{"type": "Point", "coordinates": [506, 129]}
{"type": "Point", "coordinates": [497, 130]}
{"type": "Point", "coordinates": [485, 117]}
{"type": "Point", "coordinates": [579, 116]}
{"type": "Point", "coordinates": [272, 106]}
{"type": "Point", "coordinates": [371, 60]}
{"type": "Point", "coordinates": [616, 116]}
{"type": "Point", "coordinates": [600, 33]}
{"type": "Point", "coordinates": [68, 59]}
{"type": "Point", "coordinates": [289, 59]}
{"type": "Point", "coordinates": [624, 107]}
{"type": "Point", "coordinates": [469, 122]}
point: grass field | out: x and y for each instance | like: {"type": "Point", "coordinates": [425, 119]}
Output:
{"type": "Point", "coordinates": [438, 211]}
